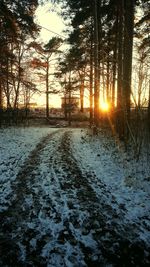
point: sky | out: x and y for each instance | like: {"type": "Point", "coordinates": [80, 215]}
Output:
{"type": "Point", "coordinates": [47, 17]}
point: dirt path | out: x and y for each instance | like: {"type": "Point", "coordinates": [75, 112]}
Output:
{"type": "Point", "coordinates": [56, 219]}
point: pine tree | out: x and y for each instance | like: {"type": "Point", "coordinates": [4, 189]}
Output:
{"type": "Point", "coordinates": [17, 24]}
{"type": "Point", "coordinates": [45, 53]}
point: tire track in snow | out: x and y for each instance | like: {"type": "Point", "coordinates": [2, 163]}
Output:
{"type": "Point", "coordinates": [56, 218]}
{"type": "Point", "coordinates": [24, 206]}
{"type": "Point", "coordinates": [72, 207]}
{"type": "Point", "coordinates": [78, 211]}
{"type": "Point", "coordinates": [101, 223]}
{"type": "Point", "coordinates": [47, 219]}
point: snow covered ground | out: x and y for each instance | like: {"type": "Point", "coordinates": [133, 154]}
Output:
{"type": "Point", "coordinates": [15, 146]}
{"type": "Point", "coordinates": [70, 199]}
{"type": "Point", "coordinates": [128, 180]}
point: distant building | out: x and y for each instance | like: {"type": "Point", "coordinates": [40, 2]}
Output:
{"type": "Point", "coordinates": [32, 105]}
{"type": "Point", "coordinates": [70, 104]}
{"type": "Point", "coordinates": [29, 105]}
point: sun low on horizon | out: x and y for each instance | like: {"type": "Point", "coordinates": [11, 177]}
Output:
{"type": "Point", "coordinates": [52, 25]}
{"type": "Point", "coordinates": [104, 106]}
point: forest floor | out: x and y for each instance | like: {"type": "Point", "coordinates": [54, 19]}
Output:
{"type": "Point", "coordinates": [73, 200]}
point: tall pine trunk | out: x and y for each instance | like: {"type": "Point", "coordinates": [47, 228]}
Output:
{"type": "Point", "coordinates": [114, 67]}
{"type": "Point", "coordinates": [47, 90]}
{"type": "Point", "coordinates": [149, 109]}
{"type": "Point", "coordinates": [96, 66]}
{"type": "Point", "coordinates": [82, 96]}
{"type": "Point", "coordinates": [127, 61]}
{"type": "Point", "coordinates": [1, 103]}
{"type": "Point", "coordinates": [1, 96]}
{"type": "Point", "coordinates": [91, 82]}
{"type": "Point", "coordinates": [120, 99]}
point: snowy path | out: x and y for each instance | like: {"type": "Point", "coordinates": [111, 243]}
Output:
{"type": "Point", "coordinates": [57, 217]}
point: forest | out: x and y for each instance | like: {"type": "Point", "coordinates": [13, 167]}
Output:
{"type": "Point", "coordinates": [75, 187]}
{"type": "Point", "coordinates": [108, 55]}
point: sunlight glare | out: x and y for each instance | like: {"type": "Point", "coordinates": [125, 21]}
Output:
{"type": "Point", "coordinates": [104, 106]}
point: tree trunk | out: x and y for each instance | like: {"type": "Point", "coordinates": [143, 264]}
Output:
{"type": "Point", "coordinates": [114, 61]}
{"type": "Point", "coordinates": [82, 96]}
{"type": "Point", "coordinates": [47, 90]}
{"type": "Point", "coordinates": [99, 48]}
{"type": "Point", "coordinates": [114, 78]}
{"type": "Point", "coordinates": [149, 109]}
{"type": "Point", "coordinates": [1, 103]}
{"type": "Point", "coordinates": [69, 113]}
{"type": "Point", "coordinates": [108, 79]}
{"type": "Point", "coordinates": [1, 96]}
{"type": "Point", "coordinates": [17, 87]}
{"type": "Point", "coordinates": [96, 67]}
{"type": "Point", "coordinates": [7, 86]}
{"type": "Point", "coordinates": [128, 47]}
{"type": "Point", "coordinates": [91, 81]}
{"type": "Point", "coordinates": [65, 107]}
{"type": "Point", "coordinates": [120, 101]}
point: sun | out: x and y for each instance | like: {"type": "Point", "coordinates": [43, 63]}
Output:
{"type": "Point", "coordinates": [104, 106]}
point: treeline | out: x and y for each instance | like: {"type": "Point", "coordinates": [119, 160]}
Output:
{"type": "Point", "coordinates": [17, 29]}
{"type": "Point", "coordinates": [108, 58]}
{"type": "Point", "coordinates": [14, 116]}
{"type": "Point", "coordinates": [109, 54]}
{"type": "Point", "coordinates": [25, 62]}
